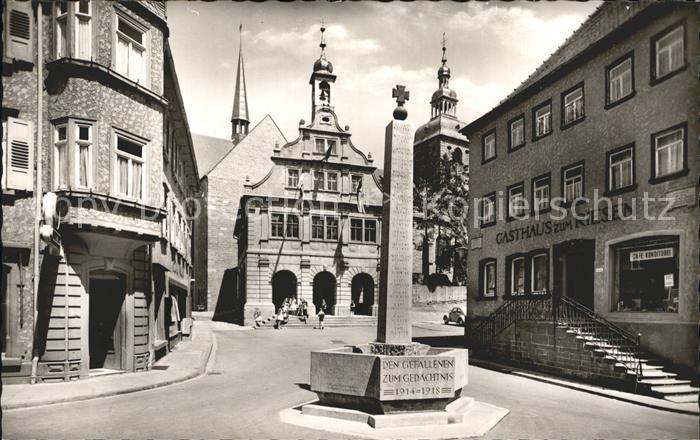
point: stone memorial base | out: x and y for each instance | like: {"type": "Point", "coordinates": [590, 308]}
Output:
{"type": "Point", "coordinates": [388, 378]}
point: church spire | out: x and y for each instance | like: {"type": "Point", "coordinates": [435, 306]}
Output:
{"type": "Point", "coordinates": [444, 100]}
{"type": "Point", "coordinates": [239, 116]}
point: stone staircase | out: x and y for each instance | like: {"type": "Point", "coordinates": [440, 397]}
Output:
{"type": "Point", "coordinates": [655, 380]}
{"type": "Point", "coordinates": [329, 321]}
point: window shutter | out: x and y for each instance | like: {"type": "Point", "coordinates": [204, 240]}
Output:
{"type": "Point", "coordinates": [19, 165]}
{"type": "Point", "coordinates": [19, 32]}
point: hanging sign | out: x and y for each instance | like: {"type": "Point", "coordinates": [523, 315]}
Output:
{"type": "Point", "coordinates": [668, 280]}
{"type": "Point", "coordinates": [655, 254]}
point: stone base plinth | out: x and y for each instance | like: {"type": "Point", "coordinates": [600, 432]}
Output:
{"type": "Point", "coordinates": [355, 378]}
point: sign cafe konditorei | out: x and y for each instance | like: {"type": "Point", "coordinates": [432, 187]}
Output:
{"type": "Point", "coordinates": [556, 226]}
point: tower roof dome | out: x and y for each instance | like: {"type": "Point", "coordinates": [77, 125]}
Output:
{"type": "Point", "coordinates": [443, 71]}
{"type": "Point", "coordinates": [322, 64]}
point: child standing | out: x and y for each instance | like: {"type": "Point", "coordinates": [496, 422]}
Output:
{"type": "Point", "coordinates": [321, 315]}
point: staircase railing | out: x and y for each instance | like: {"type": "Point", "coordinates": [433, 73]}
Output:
{"type": "Point", "coordinates": [616, 343]}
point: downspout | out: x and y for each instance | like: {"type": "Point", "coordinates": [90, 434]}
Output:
{"type": "Point", "coordinates": [38, 190]}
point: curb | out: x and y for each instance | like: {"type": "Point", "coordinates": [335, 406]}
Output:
{"type": "Point", "coordinates": [591, 389]}
{"type": "Point", "coordinates": [196, 373]}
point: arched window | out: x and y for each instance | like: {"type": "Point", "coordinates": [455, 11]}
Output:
{"type": "Point", "coordinates": [457, 155]}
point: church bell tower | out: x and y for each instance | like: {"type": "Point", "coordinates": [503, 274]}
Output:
{"type": "Point", "coordinates": [321, 79]}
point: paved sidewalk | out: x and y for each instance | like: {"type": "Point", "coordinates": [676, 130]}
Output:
{"type": "Point", "coordinates": [187, 361]}
{"type": "Point", "coordinates": [682, 408]}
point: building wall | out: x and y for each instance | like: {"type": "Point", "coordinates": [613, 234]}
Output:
{"type": "Point", "coordinates": [653, 108]}
{"type": "Point", "coordinates": [249, 159]}
{"type": "Point", "coordinates": [98, 230]}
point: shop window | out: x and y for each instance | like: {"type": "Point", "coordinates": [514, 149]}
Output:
{"type": "Point", "coordinates": [668, 52]}
{"type": "Point", "coordinates": [620, 80]}
{"type": "Point", "coordinates": [669, 155]}
{"type": "Point", "coordinates": [572, 182]}
{"type": "Point", "coordinates": [517, 133]}
{"type": "Point", "coordinates": [488, 147]}
{"type": "Point", "coordinates": [573, 108]}
{"type": "Point", "coordinates": [541, 188]}
{"type": "Point", "coordinates": [542, 120]}
{"type": "Point", "coordinates": [620, 169]}
{"type": "Point", "coordinates": [539, 278]}
{"type": "Point", "coordinates": [131, 50]}
{"type": "Point", "coordinates": [645, 274]}
{"type": "Point", "coordinates": [487, 283]}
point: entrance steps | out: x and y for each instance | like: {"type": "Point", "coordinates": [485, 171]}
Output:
{"type": "Point", "coordinates": [329, 321]}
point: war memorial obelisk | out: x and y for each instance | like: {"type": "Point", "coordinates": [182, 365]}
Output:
{"type": "Point", "coordinates": [394, 383]}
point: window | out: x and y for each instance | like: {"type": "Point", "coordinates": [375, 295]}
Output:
{"type": "Point", "coordinates": [18, 154]}
{"type": "Point", "coordinates": [129, 173]}
{"type": "Point", "coordinates": [488, 278]}
{"type": "Point", "coordinates": [668, 52]}
{"type": "Point", "coordinates": [319, 180]}
{"type": "Point", "coordinates": [331, 228]}
{"type": "Point", "coordinates": [277, 225]}
{"type": "Point", "coordinates": [60, 168]}
{"type": "Point", "coordinates": [517, 276]}
{"type": "Point", "coordinates": [488, 147]}
{"type": "Point", "coordinates": [131, 50]}
{"type": "Point", "coordinates": [621, 168]}
{"type": "Point", "coordinates": [332, 181]}
{"type": "Point", "coordinates": [370, 231]}
{"type": "Point", "coordinates": [61, 29]}
{"type": "Point", "coordinates": [542, 120]}
{"type": "Point", "coordinates": [317, 227]}
{"type": "Point", "coordinates": [83, 155]}
{"type": "Point", "coordinates": [541, 193]}
{"type": "Point", "coordinates": [540, 274]}
{"type": "Point", "coordinates": [356, 229]}
{"type": "Point", "coordinates": [488, 210]}
{"type": "Point", "coordinates": [292, 178]}
{"type": "Point", "coordinates": [572, 182]}
{"type": "Point", "coordinates": [572, 106]}
{"type": "Point", "coordinates": [516, 202]}
{"type": "Point", "coordinates": [356, 182]}
{"type": "Point", "coordinates": [322, 146]}
{"type": "Point", "coordinates": [83, 30]}
{"type": "Point", "coordinates": [645, 274]}
{"type": "Point", "coordinates": [669, 155]}
{"type": "Point", "coordinates": [517, 133]}
{"type": "Point", "coordinates": [620, 83]}
{"type": "Point", "coordinates": [292, 229]}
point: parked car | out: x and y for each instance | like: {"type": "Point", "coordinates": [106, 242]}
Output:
{"type": "Point", "coordinates": [455, 315]}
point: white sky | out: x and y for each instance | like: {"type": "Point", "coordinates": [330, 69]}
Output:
{"type": "Point", "coordinates": [491, 48]}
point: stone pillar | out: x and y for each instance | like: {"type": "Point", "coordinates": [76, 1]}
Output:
{"type": "Point", "coordinates": [394, 326]}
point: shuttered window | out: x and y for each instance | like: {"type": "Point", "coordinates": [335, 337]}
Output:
{"type": "Point", "coordinates": [18, 42]}
{"type": "Point", "coordinates": [18, 155]}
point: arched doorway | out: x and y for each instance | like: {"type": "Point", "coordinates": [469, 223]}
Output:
{"type": "Point", "coordinates": [284, 285]}
{"type": "Point", "coordinates": [324, 289]}
{"type": "Point", "coordinates": [363, 293]}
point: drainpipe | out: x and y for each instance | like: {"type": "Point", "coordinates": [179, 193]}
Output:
{"type": "Point", "coordinates": [38, 190]}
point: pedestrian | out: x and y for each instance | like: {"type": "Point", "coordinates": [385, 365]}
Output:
{"type": "Point", "coordinates": [323, 304]}
{"type": "Point", "coordinates": [258, 318]}
{"type": "Point", "coordinates": [278, 319]}
{"type": "Point", "coordinates": [352, 307]}
{"type": "Point", "coordinates": [305, 310]}
{"type": "Point", "coordinates": [321, 315]}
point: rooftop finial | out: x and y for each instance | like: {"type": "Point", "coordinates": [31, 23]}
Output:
{"type": "Point", "coordinates": [444, 48]}
{"type": "Point", "coordinates": [323, 29]}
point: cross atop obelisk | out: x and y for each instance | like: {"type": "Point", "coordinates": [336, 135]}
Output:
{"type": "Point", "coordinates": [394, 326]}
